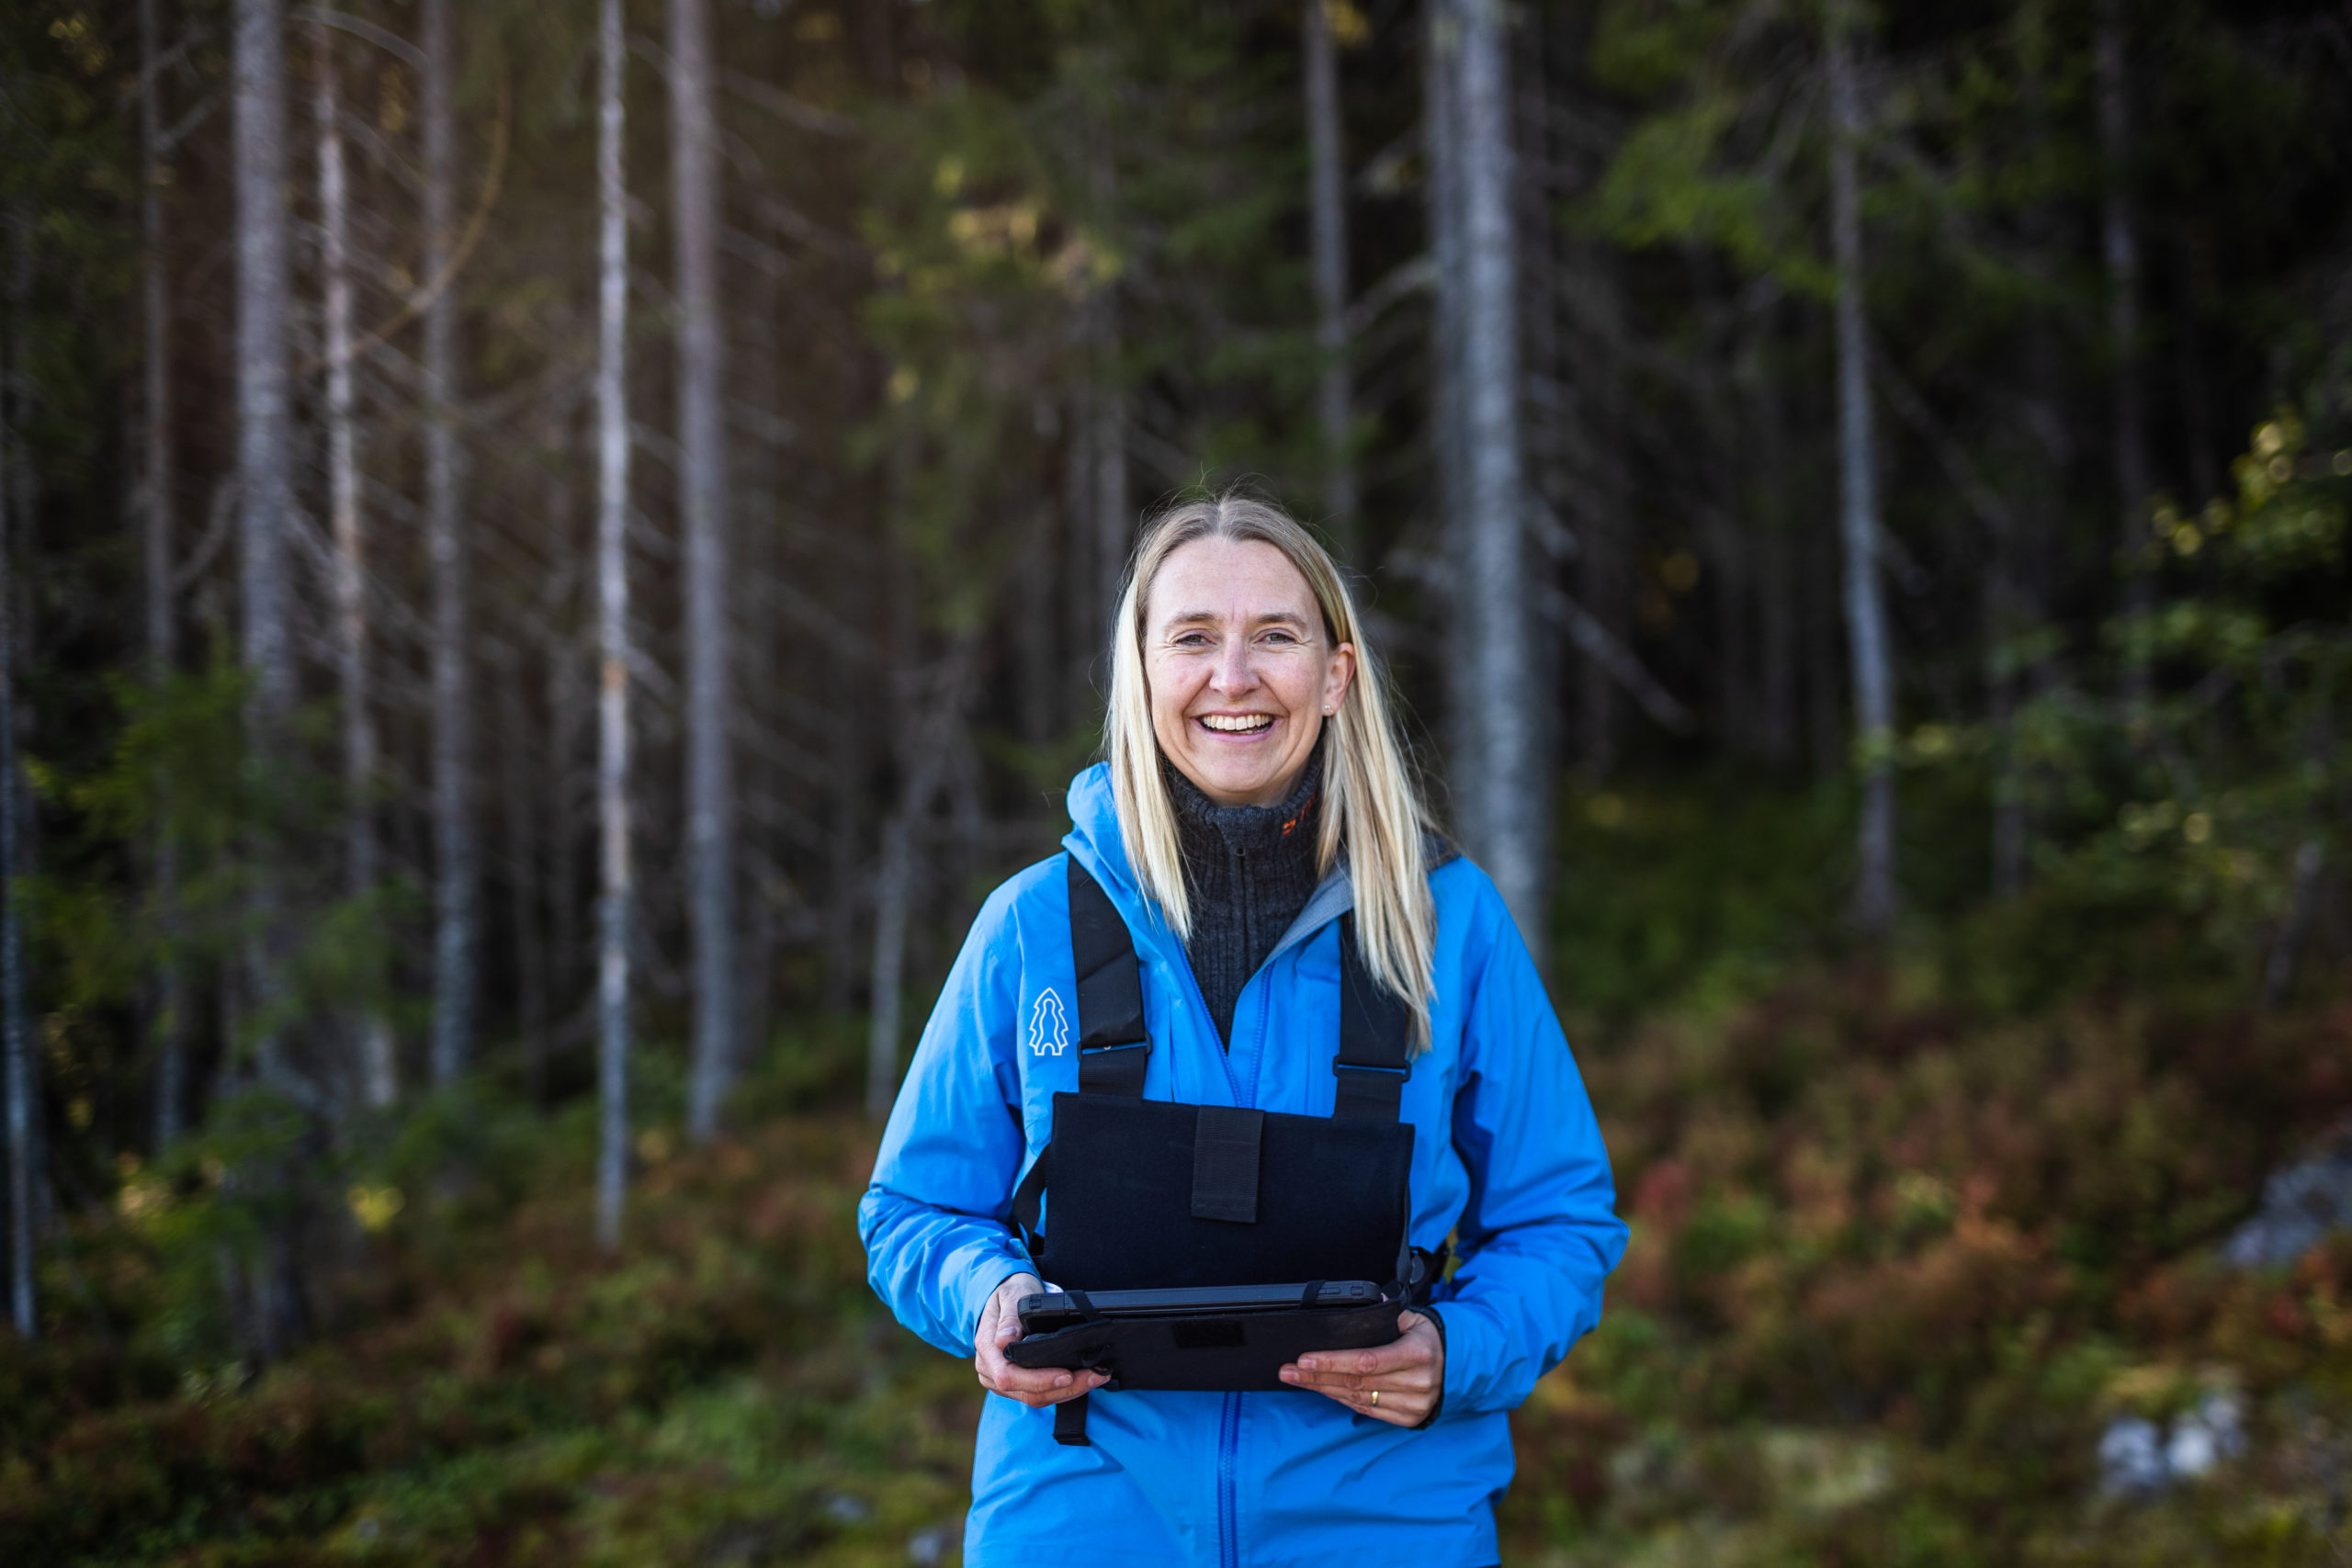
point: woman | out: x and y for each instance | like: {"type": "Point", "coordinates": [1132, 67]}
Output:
{"type": "Point", "coordinates": [1254, 792]}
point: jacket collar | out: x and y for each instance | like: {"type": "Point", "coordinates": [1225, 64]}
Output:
{"type": "Point", "coordinates": [1094, 839]}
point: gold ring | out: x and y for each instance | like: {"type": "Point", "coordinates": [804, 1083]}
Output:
{"type": "Point", "coordinates": [1375, 1399]}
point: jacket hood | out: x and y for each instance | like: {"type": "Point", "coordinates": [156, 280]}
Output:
{"type": "Point", "coordinates": [1094, 839]}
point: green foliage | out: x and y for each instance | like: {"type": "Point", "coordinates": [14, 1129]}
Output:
{"type": "Point", "coordinates": [1894, 1271]}
{"type": "Point", "coordinates": [727, 1390]}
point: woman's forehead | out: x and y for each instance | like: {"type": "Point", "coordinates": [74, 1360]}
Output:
{"type": "Point", "coordinates": [1230, 579]}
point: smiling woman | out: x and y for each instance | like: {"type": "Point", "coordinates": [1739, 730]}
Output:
{"type": "Point", "coordinates": [1308, 1047]}
{"type": "Point", "coordinates": [1234, 616]}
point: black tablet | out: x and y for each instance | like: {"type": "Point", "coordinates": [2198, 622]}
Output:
{"type": "Point", "coordinates": [1052, 1310]}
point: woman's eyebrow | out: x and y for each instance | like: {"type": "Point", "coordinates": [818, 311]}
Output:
{"type": "Point", "coordinates": [1214, 617]}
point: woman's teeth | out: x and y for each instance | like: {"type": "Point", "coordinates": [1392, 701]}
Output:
{"type": "Point", "coordinates": [1237, 723]}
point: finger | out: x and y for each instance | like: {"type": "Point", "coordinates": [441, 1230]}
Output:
{"type": "Point", "coordinates": [1007, 1378]}
{"type": "Point", "coordinates": [1397, 1407]}
{"type": "Point", "coordinates": [1408, 1352]}
{"type": "Point", "coordinates": [1066, 1388]}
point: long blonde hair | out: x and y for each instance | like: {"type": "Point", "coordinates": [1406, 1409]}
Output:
{"type": "Point", "coordinates": [1371, 812]}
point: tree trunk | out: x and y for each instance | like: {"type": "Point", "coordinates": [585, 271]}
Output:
{"type": "Point", "coordinates": [1866, 636]}
{"type": "Point", "coordinates": [616, 896]}
{"type": "Point", "coordinates": [2001, 629]}
{"type": "Point", "coordinates": [169, 1028]}
{"type": "Point", "coordinates": [1501, 769]}
{"type": "Point", "coordinates": [1777, 613]}
{"type": "Point", "coordinates": [704, 502]}
{"type": "Point", "coordinates": [1327, 145]}
{"type": "Point", "coordinates": [893, 887]}
{"type": "Point", "coordinates": [455, 875]}
{"type": "Point", "coordinates": [372, 1061]}
{"type": "Point", "coordinates": [2120, 249]}
{"type": "Point", "coordinates": [1441, 138]}
{"type": "Point", "coordinates": [928, 746]}
{"type": "Point", "coordinates": [23, 1089]}
{"type": "Point", "coordinates": [264, 484]}
{"type": "Point", "coordinates": [566, 719]}
{"type": "Point", "coordinates": [523, 868]}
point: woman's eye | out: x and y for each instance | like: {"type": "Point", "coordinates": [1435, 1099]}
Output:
{"type": "Point", "coordinates": [1192, 640]}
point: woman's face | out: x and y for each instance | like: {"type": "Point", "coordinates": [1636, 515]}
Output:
{"type": "Point", "coordinates": [1241, 673]}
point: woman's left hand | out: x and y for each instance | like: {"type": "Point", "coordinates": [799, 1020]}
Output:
{"type": "Point", "coordinates": [1398, 1382]}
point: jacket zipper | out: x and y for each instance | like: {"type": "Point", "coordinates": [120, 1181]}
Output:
{"type": "Point", "coordinates": [1201, 1000]}
{"type": "Point", "coordinates": [1229, 1513]}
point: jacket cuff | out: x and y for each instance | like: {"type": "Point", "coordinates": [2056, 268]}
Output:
{"type": "Point", "coordinates": [1471, 1353]}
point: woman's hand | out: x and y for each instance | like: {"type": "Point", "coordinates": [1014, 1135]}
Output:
{"type": "Point", "coordinates": [1000, 1326]}
{"type": "Point", "coordinates": [1406, 1376]}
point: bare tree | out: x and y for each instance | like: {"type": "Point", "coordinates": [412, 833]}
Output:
{"type": "Point", "coordinates": [1866, 635]}
{"type": "Point", "coordinates": [614, 903]}
{"type": "Point", "coordinates": [1326, 141]}
{"type": "Point", "coordinates": [455, 875]}
{"type": "Point", "coordinates": [372, 1055]}
{"type": "Point", "coordinates": [1500, 770]}
{"type": "Point", "coordinates": [263, 489]}
{"type": "Point", "coordinates": [704, 501]}
{"type": "Point", "coordinates": [2120, 249]}
{"type": "Point", "coordinates": [169, 1028]}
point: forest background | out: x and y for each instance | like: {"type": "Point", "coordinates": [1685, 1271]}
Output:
{"type": "Point", "coordinates": [555, 549]}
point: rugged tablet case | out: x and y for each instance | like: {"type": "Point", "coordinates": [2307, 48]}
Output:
{"type": "Point", "coordinates": [1140, 1218]}
{"type": "Point", "coordinates": [1212, 1354]}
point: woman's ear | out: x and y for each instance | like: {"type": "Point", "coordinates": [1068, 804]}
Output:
{"type": "Point", "coordinates": [1338, 677]}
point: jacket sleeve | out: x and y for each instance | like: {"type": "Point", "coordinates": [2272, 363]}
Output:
{"type": "Point", "coordinates": [1538, 1232]}
{"type": "Point", "coordinates": [934, 1218]}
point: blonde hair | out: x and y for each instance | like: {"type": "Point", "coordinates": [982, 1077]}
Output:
{"type": "Point", "coordinates": [1371, 812]}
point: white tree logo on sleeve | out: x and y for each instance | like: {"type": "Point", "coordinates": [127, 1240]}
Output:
{"type": "Point", "coordinates": [1048, 1029]}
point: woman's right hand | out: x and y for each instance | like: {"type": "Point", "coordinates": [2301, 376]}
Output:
{"type": "Point", "coordinates": [1000, 1326]}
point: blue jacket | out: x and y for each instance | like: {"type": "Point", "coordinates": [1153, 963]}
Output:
{"type": "Point", "coordinates": [1506, 1158]}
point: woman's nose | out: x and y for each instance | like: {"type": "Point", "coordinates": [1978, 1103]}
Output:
{"type": "Point", "coordinates": [1234, 673]}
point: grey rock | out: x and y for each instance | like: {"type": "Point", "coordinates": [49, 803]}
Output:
{"type": "Point", "coordinates": [2302, 1203]}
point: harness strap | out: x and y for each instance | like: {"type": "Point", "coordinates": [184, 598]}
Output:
{"type": "Point", "coordinates": [1112, 1047]}
{"type": "Point", "coordinates": [1070, 1423]}
{"type": "Point", "coordinates": [1375, 1039]}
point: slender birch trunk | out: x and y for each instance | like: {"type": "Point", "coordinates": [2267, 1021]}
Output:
{"type": "Point", "coordinates": [614, 911]}
{"type": "Point", "coordinates": [456, 874]}
{"type": "Point", "coordinates": [703, 499]}
{"type": "Point", "coordinates": [1866, 635]}
{"type": "Point", "coordinates": [1326, 144]}
{"type": "Point", "coordinates": [1502, 768]}
{"type": "Point", "coordinates": [2120, 249]}
{"type": "Point", "coordinates": [263, 458]}
{"type": "Point", "coordinates": [169, 1026]}
{"type": "Point", "coordinates": [372, 1062]}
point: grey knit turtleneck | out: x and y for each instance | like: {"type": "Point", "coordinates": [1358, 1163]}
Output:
{"type": "Point", "coordinates": [1249, 870]}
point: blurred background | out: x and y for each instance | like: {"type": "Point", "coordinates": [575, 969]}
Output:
{"type": "Point", "coordinates": [555, 550]}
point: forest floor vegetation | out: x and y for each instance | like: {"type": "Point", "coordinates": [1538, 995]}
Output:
{"type": "Point", "coordinates": [1917, 1259]}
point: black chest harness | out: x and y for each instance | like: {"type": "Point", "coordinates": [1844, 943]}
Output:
{"type": "Point", "coordinates": [1163, 1195]}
